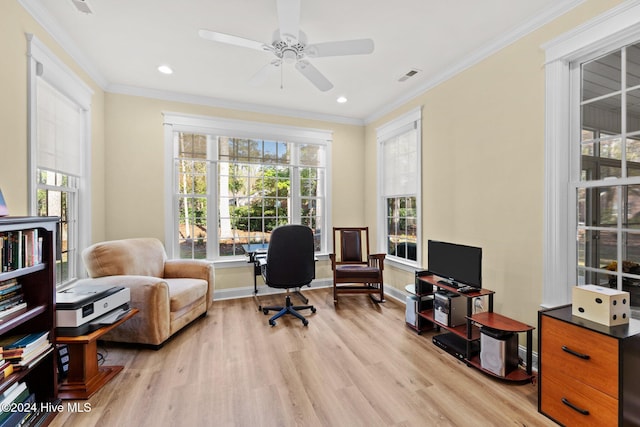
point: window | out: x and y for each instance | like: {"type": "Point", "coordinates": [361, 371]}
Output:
{"type": "Point", "coordinates": [59, 121]}
{"type": "Point", "coordinates": [245, 185]}
{"type": "Point", "coordinates": [591, 165]}
{"type": "Point", "coordinates": [399, 187]}
{"type": "Point", "coordinates": [608, 188]}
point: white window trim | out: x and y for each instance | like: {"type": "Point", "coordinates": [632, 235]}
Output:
{"type": "Point", "coordinates": [43, 63]}
{"type": "Point", "coordinates": [410, 120]}
{"type": "Point", "coordinates": [611, 30]}
{"type": "Point", "coordinates": [178, 122]}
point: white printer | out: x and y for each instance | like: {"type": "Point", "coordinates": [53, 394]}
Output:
{"type": "Point", "coordinates": [83, 309]}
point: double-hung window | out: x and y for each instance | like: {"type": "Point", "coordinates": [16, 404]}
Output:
{"type": "Point", "coordinates": [592, 157]}
{"type": "Point", "coordinates": [59, 112]}
{"type": "Point", "coordinates": [399, 186]}
{"type": "Point", "coordinates": [608, 186]}
{"type": "Point", "coordinates": [233, 182]}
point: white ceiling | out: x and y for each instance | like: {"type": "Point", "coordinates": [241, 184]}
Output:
{"type": "Point", "coordinates": [122, 43]}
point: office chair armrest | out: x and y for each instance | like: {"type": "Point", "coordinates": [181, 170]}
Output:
{"type": "Point", "coordinates": [377, 260]}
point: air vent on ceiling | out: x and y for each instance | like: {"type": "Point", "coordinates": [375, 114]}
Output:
{"type": "Point", "coordinates": [82, 6]}
{"type": "Point", "coordinates": [409, 74]}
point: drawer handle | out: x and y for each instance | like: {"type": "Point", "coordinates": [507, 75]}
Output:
{"type": "Point", "coordinates": [574, 407]}
{"type": "Point", "coordinates": [575, 353]}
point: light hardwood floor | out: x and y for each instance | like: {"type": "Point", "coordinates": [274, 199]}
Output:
{"type": "Point", "coordinates": [354, 365]}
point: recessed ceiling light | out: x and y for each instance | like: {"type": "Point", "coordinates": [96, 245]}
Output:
{"type": "Point", "coordinates": [165, 69]}
{"type": "Point", "coordinates": [341, 99]}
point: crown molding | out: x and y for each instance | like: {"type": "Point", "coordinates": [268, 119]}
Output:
{"type": "Point", "coordinates": [37, 12]}
{"type": "Point", "coordinates": [227, 104]}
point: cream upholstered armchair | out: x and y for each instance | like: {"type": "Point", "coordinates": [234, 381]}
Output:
{"type": "Point", "coordinates": [170, 294]}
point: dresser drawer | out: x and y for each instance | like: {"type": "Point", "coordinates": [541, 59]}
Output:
{"type": "Point", "coordinates": [584, 355]}
{"type": "Point", "coordinates": [590, 406]}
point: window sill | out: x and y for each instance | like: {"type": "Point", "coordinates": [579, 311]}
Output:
{"type": "Point", "coordinates": [401, 264]}
{"type": "Point", "coordinates": [244, 262]}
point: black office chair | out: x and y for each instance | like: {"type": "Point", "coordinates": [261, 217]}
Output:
{"type": "Point", "coordinates": [290, 264]}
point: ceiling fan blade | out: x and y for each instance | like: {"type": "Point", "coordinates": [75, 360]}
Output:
{"type": "Point", "coordinates": [263, 73]}
{"type": "Point", "coordinates": [340, 48]}
{"type": "Point", "coordinates": [234, 40]}
{"type": "Point", "coordinates": [313, 75]}
{"type": "Point", "coordinates": [289, 19]}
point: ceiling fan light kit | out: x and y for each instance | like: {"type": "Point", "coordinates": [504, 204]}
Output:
{"type": "Point", "coordinates": [289, 45]}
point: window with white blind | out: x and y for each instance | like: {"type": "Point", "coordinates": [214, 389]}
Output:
{"type": "Point", "coordinates": [399, 186]}
{"type": "Point", "coordinates": [59, 106]}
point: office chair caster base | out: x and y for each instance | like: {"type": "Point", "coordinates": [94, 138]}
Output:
{"type": "Point", "coordinates": [288, 309]}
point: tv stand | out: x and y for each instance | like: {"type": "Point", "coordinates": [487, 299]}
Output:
{"type": "Point", "coordinates": [463, 341]}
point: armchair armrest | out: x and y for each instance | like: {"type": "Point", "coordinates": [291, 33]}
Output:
{"type": "Point", "coordinates": [377, 260]}
{"type": "Point", "coordinates": [150, 295]}
{"type": "Point", "coordinates": [194, 269]}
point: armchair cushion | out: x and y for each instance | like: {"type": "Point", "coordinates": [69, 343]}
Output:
{"type": "Point", "coordinates": [135, 257]}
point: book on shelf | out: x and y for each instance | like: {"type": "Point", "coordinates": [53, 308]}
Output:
{"type": "Point", "coordinates": [18, 395]}
{"type": "Point", "coordinates": [33, 359]}
{"type": "Point", "coordinates": [18, 354]}
{"type": "Point", "coordinates": [6, 369]}
{"type": "Point", "coordinates": [20, 249]}
{"type": "Point", "coordinates": [15, 310]}
{"type": "Point", "coordinates": [23, 340]}
{"type": "Point", "coordinates": [11, 301]}
{"type": "Point", "coordinates": [9, 286]}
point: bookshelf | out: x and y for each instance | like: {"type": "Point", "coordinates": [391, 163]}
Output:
{"type": "Point", "coordinates": [35, 272]}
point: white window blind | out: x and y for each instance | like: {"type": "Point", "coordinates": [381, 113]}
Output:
{"type": "Point", "coordinates": [59, 131]}
{"type": "Point", "coordinates": [399, 163]}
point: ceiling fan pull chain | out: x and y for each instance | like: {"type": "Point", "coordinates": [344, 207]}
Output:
{"type": "Point", "coordinates": [281, 77]}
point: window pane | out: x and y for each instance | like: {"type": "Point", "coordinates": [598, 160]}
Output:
{"type": "Point", "coordinates": [633, 110]}
{"type": "Point", "coordinates": [311, 155]}
{"type": "Point", "coordinates": [632, 206]}
{"type": "Point", "coordinates": [603, 114]}
{"type": "Point", "coordinates": [606, 249]}
{"type": "Point", "coordinates": [602, 76]}
{"type": "Point", "coordinates": [633, 65]}
{"type": "Point", "coordinates": [402, 227]}
{"type": "Point", "coordinates": [192, 146]}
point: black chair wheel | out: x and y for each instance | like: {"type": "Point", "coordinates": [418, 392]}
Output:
{"type": "Point", "coordinates": [305, 322]}
{"type": "Point", "coordinates": [272, 322]}
{"type": "Point", "coordinates": [265, 311]}
{"type": "Point", "coordinates": [313, 309]}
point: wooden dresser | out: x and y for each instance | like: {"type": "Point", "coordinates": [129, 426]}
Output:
{"type": "Point", "coordinates": [589, 373]}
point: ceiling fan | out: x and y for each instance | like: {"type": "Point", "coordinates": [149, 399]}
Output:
{"type": "Point", "coordinates": [290, 46]}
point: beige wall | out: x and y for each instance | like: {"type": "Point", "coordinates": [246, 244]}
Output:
{"type": "Point", "coordinates": [483, 165]}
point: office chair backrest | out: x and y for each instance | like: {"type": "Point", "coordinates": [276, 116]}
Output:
{"type": "Point", "coordinates": [290, 257]}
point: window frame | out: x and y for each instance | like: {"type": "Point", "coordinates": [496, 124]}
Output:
{"type": "Point", "coordinates": [613, 29]}
{"type": "Point", "coordinates": [411, 120]}
{"type": "Point", "coordinates": [218, 126]}
{"type": "Point", "coordinates": [44, 64]}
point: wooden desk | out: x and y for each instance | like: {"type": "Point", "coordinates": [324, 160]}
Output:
{"type": "Point", "coordinates": [85, 377]}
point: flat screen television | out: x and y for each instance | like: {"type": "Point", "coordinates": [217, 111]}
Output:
{"type": "Point", "coordinates": [458, 265]}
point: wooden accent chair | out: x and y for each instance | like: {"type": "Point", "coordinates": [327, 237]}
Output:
{"type": "Point", "coordinates": [355, 270]}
